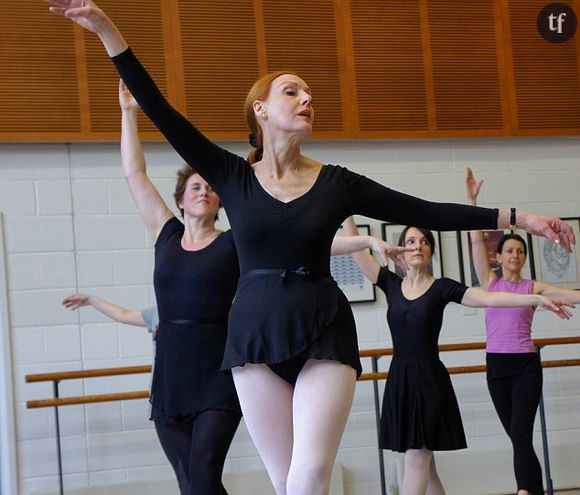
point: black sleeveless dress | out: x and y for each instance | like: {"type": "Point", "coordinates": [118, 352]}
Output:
{"type": "Point", "coordinates": [194, 291]}
{"type": "Point", "coordinates": [419, 405]}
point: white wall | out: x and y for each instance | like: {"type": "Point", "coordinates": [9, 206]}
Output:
{"type": "Point", "coordinates": [70, 225]}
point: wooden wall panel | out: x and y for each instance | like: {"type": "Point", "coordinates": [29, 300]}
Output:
{"type": "Point", "coordinates": [301, 36]}
{"type": "Point", "coordinates": [546, 84]}
{"type": "Point", "coordinates": [220, 63]}
{"type": "Point", "coordinates": [38, 84]}
{"type": "Point", "coordinates": [147, 40]}
{"type": "Point", "coordinates": [389, 68]}
{"type": "Point", "coordinates": [464, 54]}
{"type": "Point", "coordinates": [377, 68]}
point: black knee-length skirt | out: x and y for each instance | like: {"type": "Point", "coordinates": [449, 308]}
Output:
{"type": "Point", "coordinates": [420, 409]}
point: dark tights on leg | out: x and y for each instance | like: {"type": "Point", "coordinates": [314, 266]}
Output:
{"type": "Point", "coordinates": [516, 400]}
{"type": "Point", "coordinates": [197, 449]}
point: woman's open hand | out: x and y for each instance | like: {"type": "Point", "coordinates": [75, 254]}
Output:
{"type": "Point", "coordinates": [89, 16]}
{"type": "Point", "coordinates": [472, 187]}
{"type": "Point", "coordinates": [560, 308]}
{"type": "Point", "coordinates": [386, 251]}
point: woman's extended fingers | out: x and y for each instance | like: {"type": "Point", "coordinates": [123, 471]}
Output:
{"type": "Point", "coordinates": [473, 187]}
{"type": "Point", "coordinates": [564, 308]}
{"type": "Point", "coordinates": [564, 231]}
{"type": "Point", "coordinates": [560, 308]}
{"type": "Point", "coordinates": [126, 100]}
{"type": "Point", "coordinates": [61, 6]}
{"type": "Point", "coordinates": [397, 254]}
{"type": "Point", "coordinates": [552, 228]}
{"type": "Point", "coordinates": [75, 301]}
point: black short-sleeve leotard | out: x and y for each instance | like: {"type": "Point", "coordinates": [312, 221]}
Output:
{"type": "Point", "coordinates": [419, 405]}
{"type": "Point", "coordinates": [271, 320]}
{"type": "Point", "coordinates": [194, 291]}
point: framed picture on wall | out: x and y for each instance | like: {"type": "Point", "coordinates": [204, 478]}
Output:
{"type": "Point", "coordinates": [350, 279]}
{"type": "Point", "coordinates": [391, 233]}
{"type": "Point", "coordinates": [553, 265]}
{"type": "Point", "coordinates": [491, 240]}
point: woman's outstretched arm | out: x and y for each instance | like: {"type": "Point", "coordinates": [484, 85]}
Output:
{"type": "Point", "coordinates": [353, 243]}
{"type": "Point", "coordinates": [374, 200]}
{"type": "Point", "coordinates": [479, 298]}
{"type": "Point", "coordinates": [364, 260]}
{"type": "Point", "coordinates": [113, 311]}
{"type": "Point", "coordinates": [566, 295]}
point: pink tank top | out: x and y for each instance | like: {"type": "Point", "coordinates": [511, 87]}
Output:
{"type": "Point", "coordinates": [510, 329]}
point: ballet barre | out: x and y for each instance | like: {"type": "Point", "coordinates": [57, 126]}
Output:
{"type": "Point", "coordinates": [374, 354]}
{"type": "Point", "coordinates": [58, 401]}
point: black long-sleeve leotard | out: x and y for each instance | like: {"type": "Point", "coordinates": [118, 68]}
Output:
{"type": "Point", "coordinates": [272, 234]}
{"type": "Point", "coordinates": [268, 323]}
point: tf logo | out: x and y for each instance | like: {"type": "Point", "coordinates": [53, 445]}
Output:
{"type": "Point", "coordinates": [557, 22]}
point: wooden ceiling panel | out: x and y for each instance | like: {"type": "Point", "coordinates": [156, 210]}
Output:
{"type": "Point", "coordinates": [464, 54]}
{"type": "Point", "coordinates": [546, 77]}
{"type": "Point", "coordinates": [220, 62]}
{"type": "Point", "coordinates": [301, 36]}
{"type": "Point", "coordinates": [389, 65]}
{"type": "Point", "coordinates": [141, 24]}
{"type": "Point", "coordinates": [38, 86]}
{"type": "Point", "coordinates": [377, 68]}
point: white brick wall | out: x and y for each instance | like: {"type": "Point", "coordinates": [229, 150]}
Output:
{"type": "Point", "coordinates": [70, 224]}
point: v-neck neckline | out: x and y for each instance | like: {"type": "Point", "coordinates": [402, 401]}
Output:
{"type": "Point", "coordinates": [298, 198]}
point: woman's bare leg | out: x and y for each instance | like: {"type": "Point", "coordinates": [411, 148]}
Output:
{"type": "Point", "coordinates": [417, 470]}
{"type": "Point", "coordinates": [434, 486]}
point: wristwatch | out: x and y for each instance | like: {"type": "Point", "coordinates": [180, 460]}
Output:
{"type": "Point", "coordinates": [512, 226]}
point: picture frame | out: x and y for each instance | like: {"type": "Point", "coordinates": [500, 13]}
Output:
{"type": "Point", "coordinates": [356, 287]}
{"type": "Point", "coordinates": [391, 232]}
{"type": "Point", "coordinates": [491, 239]}
{"type": "Point", "coordinates": [553, 265]}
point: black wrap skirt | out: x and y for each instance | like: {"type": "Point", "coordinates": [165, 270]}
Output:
{"type": "Point", "coordinates": [278, 315]}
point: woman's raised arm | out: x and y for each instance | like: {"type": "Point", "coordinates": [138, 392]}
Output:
{"type": "Point", "coordinates": [153, 209]}
{"type": "Point", "coordinates": [479, 253]}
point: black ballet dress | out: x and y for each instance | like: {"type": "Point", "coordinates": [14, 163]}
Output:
{"type": "Point", "coordinates": [419, 405]}
{"type": "Point", "coordinates": [287, 305]}
{"type": "Point", "coordinates": [194, 291]}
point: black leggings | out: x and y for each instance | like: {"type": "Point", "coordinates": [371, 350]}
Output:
{"type": "Point", "coordinates": [197, 448]}
{"type": "Point", "coordinates": [516, 400]}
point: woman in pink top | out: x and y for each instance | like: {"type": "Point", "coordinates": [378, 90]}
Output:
{"type": "Point", "coordinates": [514, 370]}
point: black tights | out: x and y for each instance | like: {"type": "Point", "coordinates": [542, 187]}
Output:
{"type": "Point", "coordinates": [516, 400]}
{"type": "Point", "coordinates": [197, 448]}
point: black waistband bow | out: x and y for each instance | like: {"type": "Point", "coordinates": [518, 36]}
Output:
{"type": "Point", "coordinates": [301, 271]}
